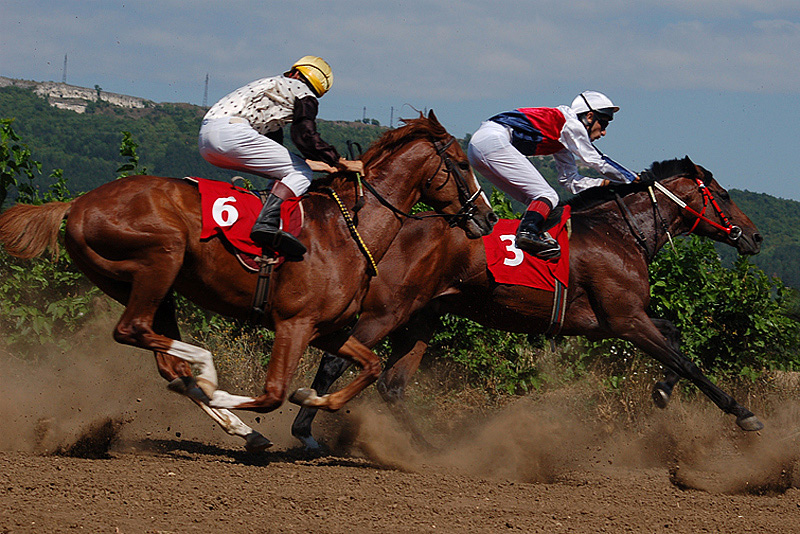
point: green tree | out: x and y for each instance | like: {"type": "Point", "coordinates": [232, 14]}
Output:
{"type": "Point", "coordinates": [15, 160]}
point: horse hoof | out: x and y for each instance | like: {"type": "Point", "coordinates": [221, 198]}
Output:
{"type": "Point", "coordinates": [255, 442]}
{"type": "Point", "coordinates": [180, 385]}
{"type": "Point", "coordinates": [662, 392]}
{"type": "Point", "coordinates": [749, 423]}
{"type": "Point", "coordinates": [309, 443]}
{"type": "Point", "coordinates": [303, 397]}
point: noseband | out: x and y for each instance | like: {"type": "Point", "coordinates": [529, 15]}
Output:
{"type": "Point", "coordinates": [734, 232]}
{"type": "Point", "coordinates": [468, 206]}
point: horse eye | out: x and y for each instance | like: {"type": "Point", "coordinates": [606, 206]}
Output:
{"type": "Point", "coordinates": [463, 165]}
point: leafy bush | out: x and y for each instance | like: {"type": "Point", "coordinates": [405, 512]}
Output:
{"type": "Point", "coordinates": [733, 322]}
{"type": "Point", "coordinates": [42, 301]}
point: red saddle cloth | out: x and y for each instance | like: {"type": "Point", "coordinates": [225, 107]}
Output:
{"type": "Point", "coordinates": [231, 211]}
{"type": "Point", "coordinates": [509, 265]}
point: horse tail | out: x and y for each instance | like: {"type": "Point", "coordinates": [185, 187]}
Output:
{"type": "Point", "coordinates": [26, 230]}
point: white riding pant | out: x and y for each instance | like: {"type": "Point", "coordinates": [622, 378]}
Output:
{"type": "Point", "coordinates": [490, 153]}
{"type": "Point", "coordinates": [231, 143]}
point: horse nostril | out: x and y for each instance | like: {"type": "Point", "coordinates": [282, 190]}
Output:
{"type": "Point", "coordinates": [758, 238]}
{"type": "Point", "coordinates": [492, 218]}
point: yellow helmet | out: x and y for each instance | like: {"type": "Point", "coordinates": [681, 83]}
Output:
{"type": "Point", "coordinates": [317, 72]}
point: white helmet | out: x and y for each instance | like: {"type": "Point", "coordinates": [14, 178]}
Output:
{"type": "Point", "coordinates": [594, 101]}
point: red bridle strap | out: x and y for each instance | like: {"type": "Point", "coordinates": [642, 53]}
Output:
{"type": "Point", "coordinates": [733, 231]}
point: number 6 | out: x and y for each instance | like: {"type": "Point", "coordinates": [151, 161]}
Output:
{"type": "Point", "coordinates": [223, 213]}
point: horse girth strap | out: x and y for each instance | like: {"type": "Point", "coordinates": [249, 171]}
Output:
{"type": "Point", "coordinates": [373, 266]}
{"type": "Point", "coordinates": [261, 297]}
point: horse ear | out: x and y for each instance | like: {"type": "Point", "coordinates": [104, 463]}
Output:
{"type": "Point", "coordinates": [432, 117]}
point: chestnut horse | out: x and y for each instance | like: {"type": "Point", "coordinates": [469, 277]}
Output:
{"type": "Point", "coordinates": [138, 239]}
{"type": "Point", "coordinates": [610, 249]}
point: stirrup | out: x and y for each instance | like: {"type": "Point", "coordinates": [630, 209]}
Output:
{"type": "Point", "coordinates": [540, 245]}
{"type": "Point", "coordinates": [278, 240]}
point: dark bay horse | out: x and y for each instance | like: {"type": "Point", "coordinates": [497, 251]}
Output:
{"type": "Point", "coordinates": [610, 249]}
{"type": "Point", "coordinates": [138, 239]}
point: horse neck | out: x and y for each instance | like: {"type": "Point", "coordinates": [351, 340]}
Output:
{"type": "Point", "coordinates": [399, 180]}
{"type": "Point", "coordinates": [645, 219]}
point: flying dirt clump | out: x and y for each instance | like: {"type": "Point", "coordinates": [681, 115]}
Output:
{"type": "Point", "coordinates": [94, 442]}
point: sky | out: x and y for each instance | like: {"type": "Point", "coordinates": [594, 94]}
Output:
{"type": "Point", "coordinates": [717, 80]}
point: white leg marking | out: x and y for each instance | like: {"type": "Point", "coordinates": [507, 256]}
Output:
{"type": "Point", "coordinates": [223, 399]}
{"type": "Point", "coordinates": [201, 360]}
{"type": "Point", "coordinates": [228, 421]}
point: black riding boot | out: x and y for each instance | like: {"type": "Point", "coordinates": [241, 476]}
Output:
{"type": "Point", "coordinates": [267, 230]}
{"type": "Point", "coordinates": [535, 242]}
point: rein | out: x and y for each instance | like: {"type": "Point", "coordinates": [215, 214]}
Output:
{"type": "Point", "coordinates": [468, 206]}
{"type": "Point", "coordinates": [467, 209]}
{"type": "Point", "coordinates": [734, 232]}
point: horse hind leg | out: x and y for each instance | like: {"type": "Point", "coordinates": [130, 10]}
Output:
{"type": "Point", "coordinates": [149, 288]}
{"type": "Point", "coordinates": [662, 390]}
{"type": "Point", "coordinates": [179, 375]}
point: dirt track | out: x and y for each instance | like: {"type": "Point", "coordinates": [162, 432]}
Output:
{"type": "Point", "coordinates": [535, 466]}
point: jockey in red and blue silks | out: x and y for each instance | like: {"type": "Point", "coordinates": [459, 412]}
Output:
{"type": "Point", "coordinates": [500, 148]}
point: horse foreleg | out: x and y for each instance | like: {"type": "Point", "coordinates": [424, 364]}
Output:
{"type": "Point", "coordinates": [645, 335]}
{"type": "Point", "coordinates": [291, 340]}
{"type": "Point", "coordinates": [356, 351]}
{"type": "Point", "coordinates": [407, 353]}
{"type": "Point", "coordinates": [331, 367]}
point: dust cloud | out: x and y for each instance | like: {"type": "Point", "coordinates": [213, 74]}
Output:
{"type": "Point", "coordinates": [51, 403]}
{"type": "Point", "coordinates": [100, 397]}
{"type": "Point", "coordinates": [549, 439]}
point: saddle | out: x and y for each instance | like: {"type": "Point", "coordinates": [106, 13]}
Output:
{"type": "Point", "coordinates": [229, 212]}
{"type": "Point", "coordinates": [510, 265]}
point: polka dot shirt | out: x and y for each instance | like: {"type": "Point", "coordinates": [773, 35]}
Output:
{"type": "Point", "coordinates": [267, 104]}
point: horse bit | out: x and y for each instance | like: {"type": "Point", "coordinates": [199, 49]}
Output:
{"type": "Point", "coordinates": [468, 206]}
{"type": "Point", "coordinates": [734, 232]}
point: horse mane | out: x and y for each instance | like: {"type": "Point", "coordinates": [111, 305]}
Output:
{"type": "Point", "coordinates": [659, 170]}
{"type": "Point", "coordinates": [412, 129]}
{"type": "Point", "coordinates": [421, 127]}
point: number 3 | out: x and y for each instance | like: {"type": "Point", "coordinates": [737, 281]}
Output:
{"type": "Point", "coordinates": [223, 213]}
{"type": "Point", "coordinates": [512, 248]}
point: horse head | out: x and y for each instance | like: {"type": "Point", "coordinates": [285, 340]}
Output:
{"type": "Point", "coordinates": [437, 172]}
{"type": "Point", "coordinates": [709, 209]}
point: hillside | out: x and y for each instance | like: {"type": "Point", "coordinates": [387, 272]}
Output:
{"type": "Point", "coordinates": [778, 220]}
{"type": "Point", "coordinates": [84, 140]}
{"type": "Point", "coordinates": [70, 128]}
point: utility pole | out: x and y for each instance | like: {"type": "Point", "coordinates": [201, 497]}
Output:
{"type": "Point", "coordinates": [205, 93]}
{"type": "Point", "coordinates": [364, 118]}
{"type": "Point", "coordinates": [64, 72]}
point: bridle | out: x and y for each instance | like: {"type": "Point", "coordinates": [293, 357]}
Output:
{"type": "Point", "coordinates": [468, 205]}
{"type": "Point", "coordinates": [734, 232]}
